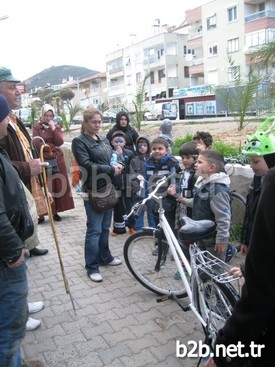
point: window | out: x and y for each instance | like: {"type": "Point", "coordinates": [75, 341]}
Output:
{"type": "Point", "coordinates": [186, 71]}
{"type": "Point", "coordinates": [232, 14]}
{"type": "Point", "coordinates": [212, 49]}
{"type": "Point", "coordinates": [233, 45]}
{"type": "Point", "coordinates": [233, 73]}
{"type": "Point", "coordinates": [188, 51]}
{"type": "Point", "coordinates": [211, 22]}
{"type": "Point", "coordinates": [152, 77]}
{"type": "Point", "coordinates": [161, 74]}
{"type": "Point", "coordinates": [138, 77]}
{"type": "Point", "coordinates": [262, 6]}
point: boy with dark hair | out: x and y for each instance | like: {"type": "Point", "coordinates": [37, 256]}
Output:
{"type": "Point", "coordinates": [123, 156]}
{"type": "Point", "coordinates": [212, 200]}
{"type": "Point", "coordinates": [160, 164]}
{"type": "Point", "coordinates": [203, 140]}
{"type": "Point", "coordinates": [138, 184]}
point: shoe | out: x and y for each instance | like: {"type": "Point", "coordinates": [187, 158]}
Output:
{"type": "Point", "coordinates": [32, 363]}
{"type": "Point", "coordinates": [38, 251]}
{"type": "Point", "coordinates": [57, 218]}
{"type": "Point", "coordinates": [35, 306]}
{"type": "Point", "coordinates": [132, 230]}
{"type": "Point", "coordinates": [96, 277]}
{"type": "Point", "coordinates": [230, 253]}
{"type": "Point", "coordinates": [41, 220]}
{"type": "Point", "coordinates": [115, 262]}
{"type": "Point", "coordinates": [32, 324]}
{"type": "Point", "coordinates": [155, 252]}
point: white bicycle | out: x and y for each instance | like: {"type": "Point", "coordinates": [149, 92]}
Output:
{"type": "Point", "coordinates": [211, 290]}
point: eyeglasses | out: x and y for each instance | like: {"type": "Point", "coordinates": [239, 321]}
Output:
{"type": "Point", "coordinates": [118, 140]}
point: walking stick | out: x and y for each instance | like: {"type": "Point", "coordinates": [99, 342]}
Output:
{"type": "Point", "coordinates": [44, 177]}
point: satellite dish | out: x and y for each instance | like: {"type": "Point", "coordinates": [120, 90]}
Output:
{"type": "Point", "coordinates": [189, 57]}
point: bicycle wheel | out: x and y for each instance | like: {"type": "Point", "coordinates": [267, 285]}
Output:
{"type": "Point", "coordinates": [139, 258]}
{"type": "Point", "coordinates": [215, 303]}
{"type": "Point", "coordinates": [238, 207]}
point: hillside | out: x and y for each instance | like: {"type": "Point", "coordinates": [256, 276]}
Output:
{"type": "Point", "coordinates": [56, 75]}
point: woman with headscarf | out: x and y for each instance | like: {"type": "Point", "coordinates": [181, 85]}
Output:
{"type": "Point", "coordinates": [123, 124]}
{"type": "Point", "coordinates": [57, 176]}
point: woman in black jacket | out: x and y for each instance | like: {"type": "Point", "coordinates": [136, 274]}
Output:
{"type": "Point", "coordinates": [123, 124]}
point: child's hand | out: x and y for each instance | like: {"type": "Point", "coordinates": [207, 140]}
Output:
{"type": "Point", "coordinates": [236, 272]}
{"type": "Point", "coordinates": [118, 150]}
{"type": "Point", "coordinates": [182, 200]}
{"type": "Point", "coordinates": [171, 190]}
{"type": "Point", "coordinates": [220, 248]}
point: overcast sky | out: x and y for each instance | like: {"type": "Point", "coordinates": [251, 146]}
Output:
{"type": "Point", "coordinates": [42, 33]}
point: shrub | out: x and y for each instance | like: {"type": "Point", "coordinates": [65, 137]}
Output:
{"type": "Point", "coordinates": [178, 143]}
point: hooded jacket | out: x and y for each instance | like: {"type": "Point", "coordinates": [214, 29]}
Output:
{"type": "Point", "coordinates": [131, 134]}
{"type": "Point", "coordinates": [137, 169]}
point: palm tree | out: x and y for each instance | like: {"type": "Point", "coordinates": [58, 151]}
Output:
{"type": "Point", "coordinates": [266, 53]}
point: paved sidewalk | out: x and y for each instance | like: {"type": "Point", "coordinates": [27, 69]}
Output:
{"type": "Point", "coordinates": [117, 323]}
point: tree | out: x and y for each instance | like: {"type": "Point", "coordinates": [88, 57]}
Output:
{"type": "Point", "coordinates": [139, 102]}
{"type": "Point", "coordinates": [240, 97]}
{"type": "Point", "coordinates": [265, 53]}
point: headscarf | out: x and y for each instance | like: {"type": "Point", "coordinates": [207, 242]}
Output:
{"type": "Point", "coordinates": [46, 108]}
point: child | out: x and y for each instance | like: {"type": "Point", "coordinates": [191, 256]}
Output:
{"type": "Point", "coordinates": [186, 180]}
{"type": "Point", "coordinates": [203, 140]}
{"type": "Point", "coordinates": [138, 186]}
{"type": "Point", "coordinates": [166, 132]}
{"type": "Point", "coordinates": [124, 156]}
{"type": "Point", "coordinates": [212, 200]}
{"type": "Point", "coordinates": [160, 164]}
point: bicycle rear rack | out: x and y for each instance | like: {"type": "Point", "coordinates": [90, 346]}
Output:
{"type": "Point", "coordinates": [217, 269]}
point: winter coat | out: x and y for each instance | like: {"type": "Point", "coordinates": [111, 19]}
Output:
{"type": "Point", "coordinates": [251, 207]}
{"type": "Point", "coordinates": [93, 157]}
{"type": "Point", "coordinates": [16, 223]}
{"type": "Point", "coordinates": [253, 318]}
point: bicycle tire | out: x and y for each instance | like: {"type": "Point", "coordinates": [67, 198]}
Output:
{"type": "Point", "coordinates": [219, 300]}
{"type": "Point", "coordinates": [138, 257]}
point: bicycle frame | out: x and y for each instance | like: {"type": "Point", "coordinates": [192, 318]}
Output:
{"type": "Point", "coordinates": [199, 260]}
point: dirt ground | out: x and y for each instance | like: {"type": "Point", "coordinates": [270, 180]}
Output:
{"type": "Point", "coordinates": [226, 131]}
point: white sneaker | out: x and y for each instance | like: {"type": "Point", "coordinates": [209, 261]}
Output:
{"type": "Point", "coordinates": [35, 306]}
{"type": "Point", "coordinates": [115, 262]}
{"type": "Point", "coordinates": [32, 324]}
{"type": "Point", "coordinates": [96, 277]}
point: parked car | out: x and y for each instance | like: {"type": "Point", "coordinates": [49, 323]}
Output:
{"type": "Point", "coordinates": [77, 120]}
{"type": "Point", "coordinates": [152, 115]}
{"type": "Point", "coordinates": [109, 116]}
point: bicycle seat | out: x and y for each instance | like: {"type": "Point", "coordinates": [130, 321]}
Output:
{"type": "Point", "coordinates": [193, 230]}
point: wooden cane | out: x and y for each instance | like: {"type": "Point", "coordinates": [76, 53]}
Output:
{"type": "Point", "coordinates": [44, 177]}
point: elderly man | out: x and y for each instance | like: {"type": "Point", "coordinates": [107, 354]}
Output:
{"type": "Point", "coordinates": [17, 143]}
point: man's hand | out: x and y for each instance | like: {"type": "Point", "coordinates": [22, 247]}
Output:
{"type": "Point", "coordinates": [24, 252]}
{"type": "Point", "coordinates": [36, 166]}
{"type": "Point", "coordinates": [210, 363]}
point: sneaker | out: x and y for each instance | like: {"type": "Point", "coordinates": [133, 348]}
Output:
{"type": "Point", "coordinates": [35, 306]}
{"type": "Point", "coordinates": [115, 262]}
{"type": "Point", "coordinates": [132, 230]}
{"type": "Point", "coordinates": [96, 277]}
{"type": "Point", "coordinates": [230, 253]}
{"type": "Point", "coordinates": [32, 324]}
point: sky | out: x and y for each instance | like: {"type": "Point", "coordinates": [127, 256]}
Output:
{"type": "Point", "coordinates": [40, 34]}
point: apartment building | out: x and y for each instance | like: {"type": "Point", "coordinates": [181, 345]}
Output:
{"type": "Point", "coordinates": [160, 56]}
{"type": "Point", "coordinates": [195, 53]}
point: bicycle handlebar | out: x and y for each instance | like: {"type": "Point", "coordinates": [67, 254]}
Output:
{"type": "Point", "coordinates": [138, 207]}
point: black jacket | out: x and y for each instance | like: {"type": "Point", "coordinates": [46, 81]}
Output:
{"type": "Point", "coordinates": [251, 207]}
{"type": "Point", "coordinates": [131, 134]}
{"type": "Point", "coordinates": [253, 318]}
{"type": "Point", "coordinates": [93, 157]}
{"type": "Point", "coordinates": [16, 224]}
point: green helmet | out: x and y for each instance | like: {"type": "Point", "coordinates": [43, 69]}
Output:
{"type": "Point", "coordinates": [261, 142]}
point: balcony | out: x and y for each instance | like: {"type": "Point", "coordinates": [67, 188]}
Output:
{"type": "Point", "coordinates": [260, 15]}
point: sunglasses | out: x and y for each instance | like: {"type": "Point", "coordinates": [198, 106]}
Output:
{"type": "Point", "coordinates": [119, 140]}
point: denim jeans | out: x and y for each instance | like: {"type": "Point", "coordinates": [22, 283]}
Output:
{"type": "Point", "coordinates": [150, 218]}
{"type": "Point", "coordinates": [97, 238]}
{"type": "Point", "coordinates": [13, 313]}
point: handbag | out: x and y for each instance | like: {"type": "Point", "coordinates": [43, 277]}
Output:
{"type": "Point", "coordinates": [104, 199]}
{"type": "Point", "coordinates": [52, 168]}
